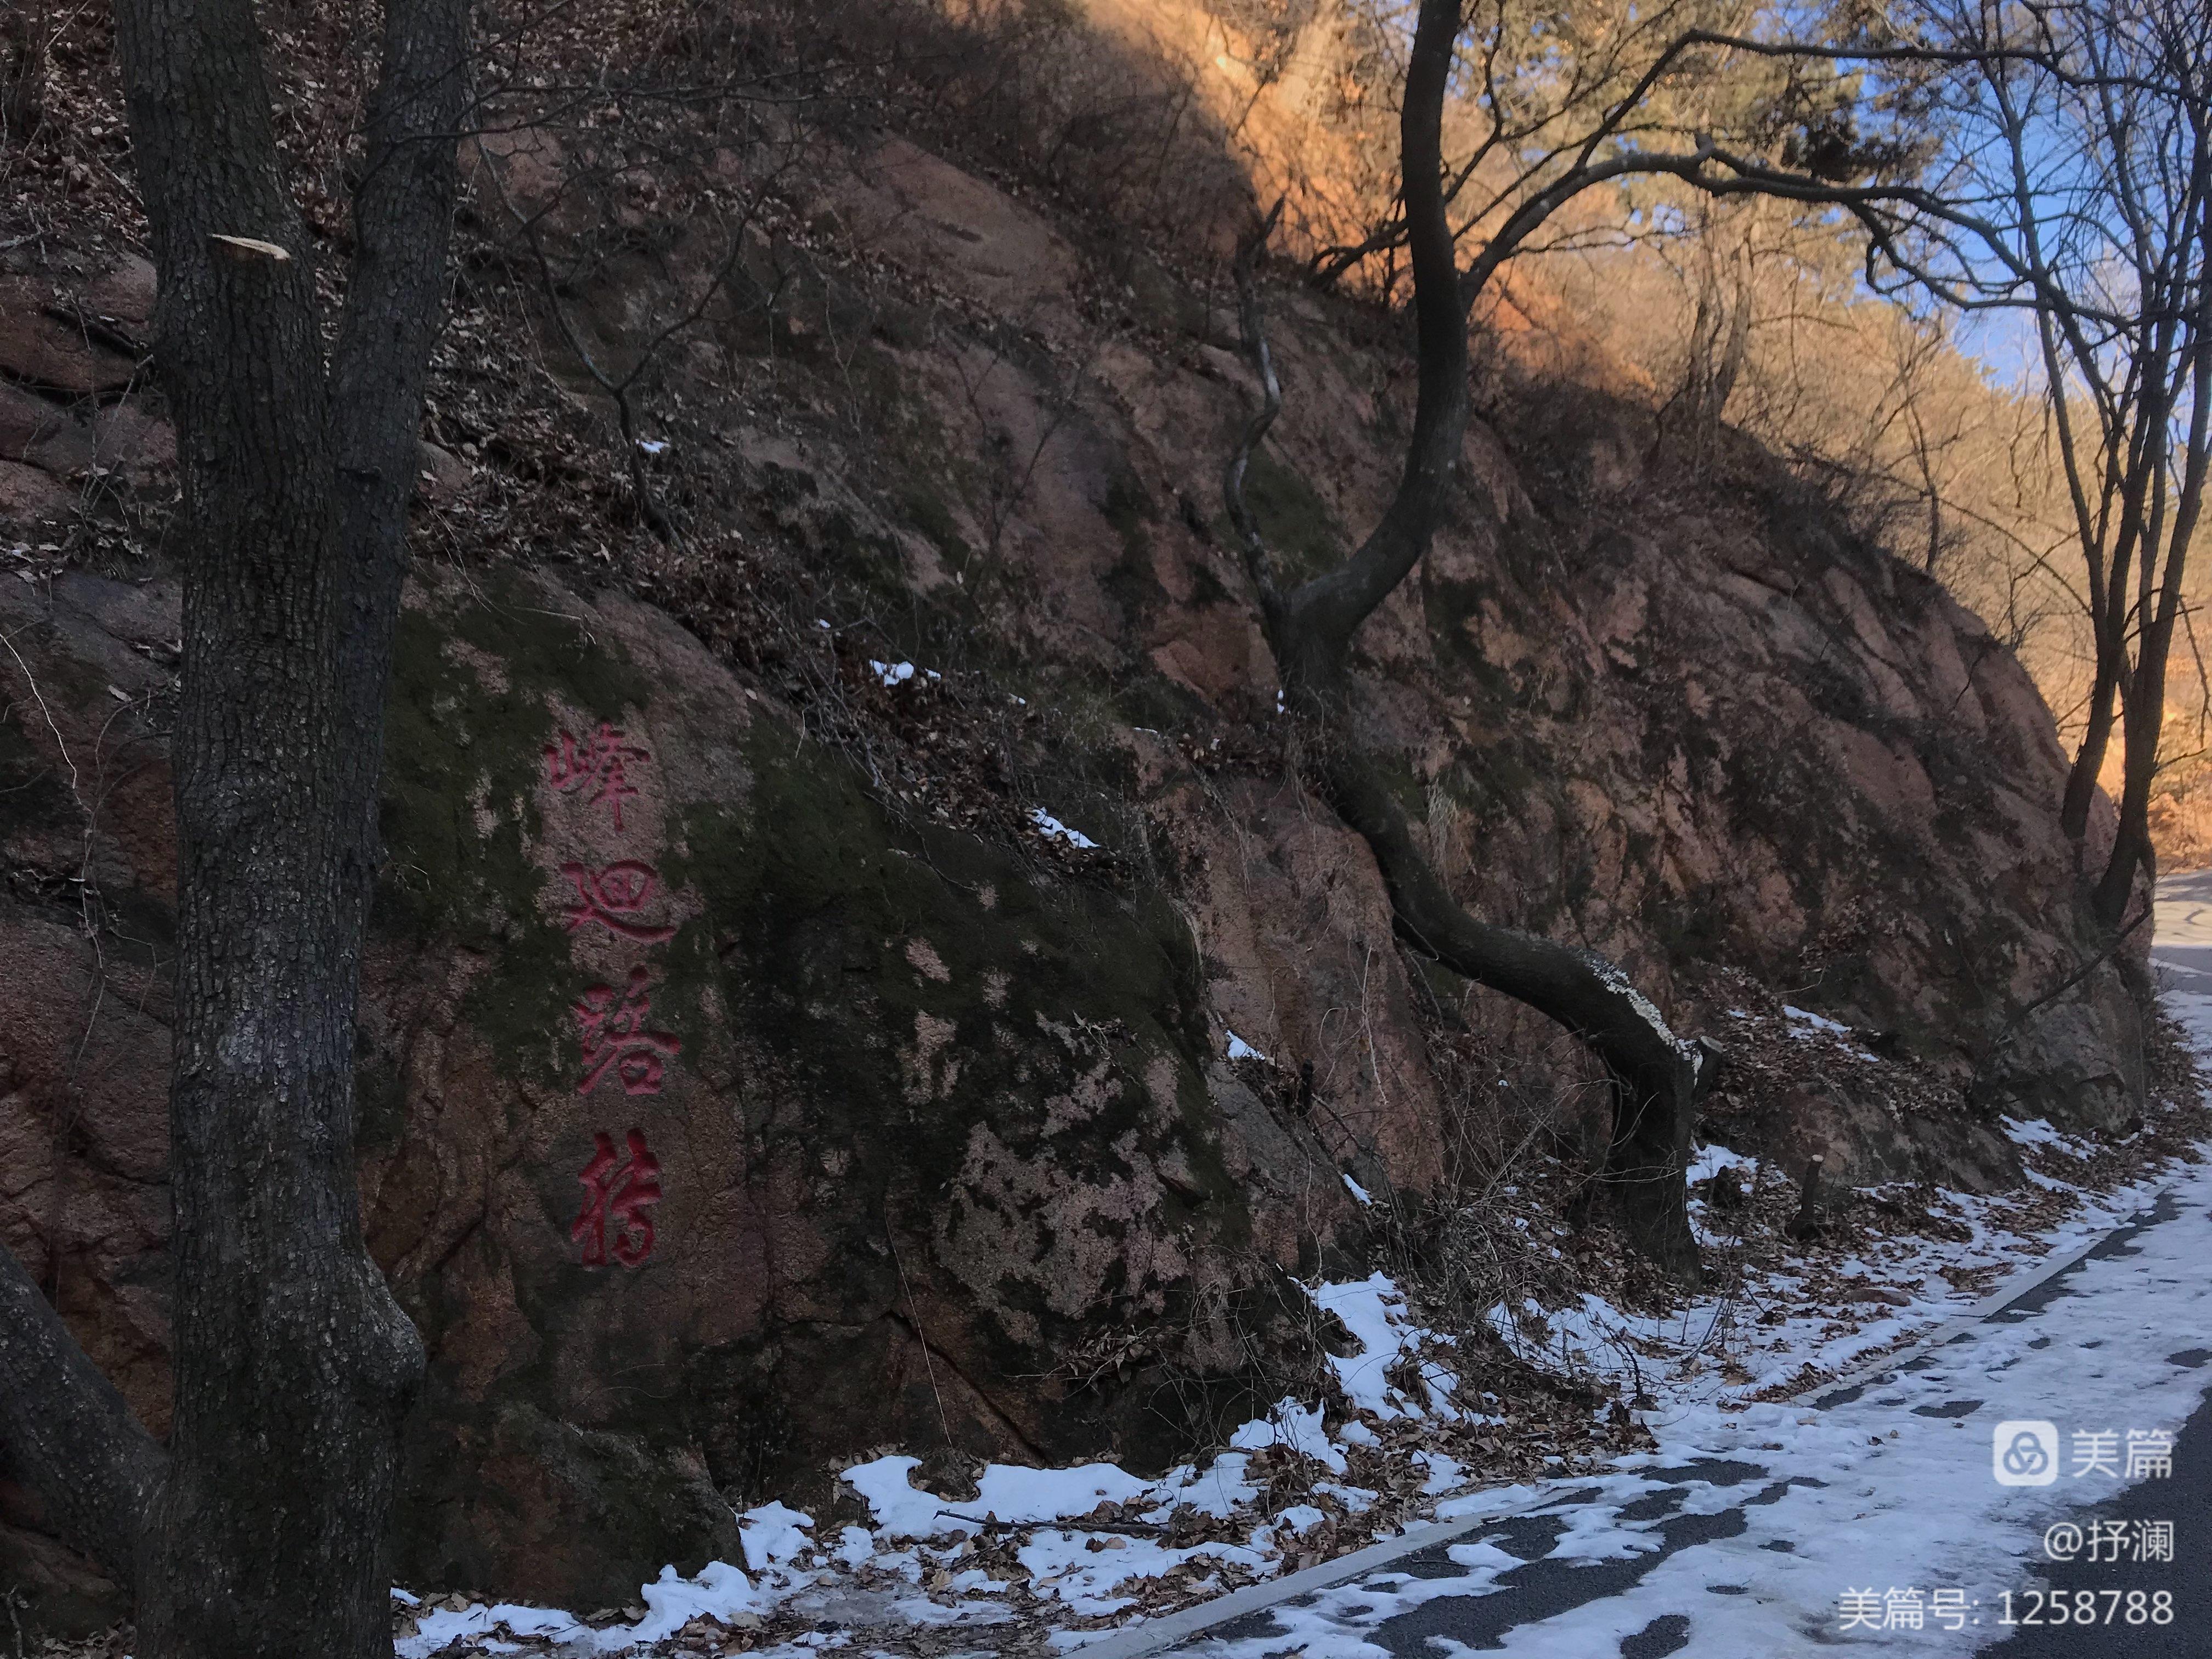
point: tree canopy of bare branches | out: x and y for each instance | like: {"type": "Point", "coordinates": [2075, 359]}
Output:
{"type": "Point", "coordinates": [2083, 136]}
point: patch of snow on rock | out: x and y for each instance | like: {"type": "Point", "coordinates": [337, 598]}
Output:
{"type": "Point", "coordinates": [1805, 1026]}
{"type": "Point", "coordinates": [1053, 829]}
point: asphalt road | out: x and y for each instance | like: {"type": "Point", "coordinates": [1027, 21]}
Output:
{"type": "Point", "coordinates": [1543, 1589]}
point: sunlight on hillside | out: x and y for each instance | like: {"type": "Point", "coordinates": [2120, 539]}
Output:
{"type": "Point", "coordinates": [1752, 314]}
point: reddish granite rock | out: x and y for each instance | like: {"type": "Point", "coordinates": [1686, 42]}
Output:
{"type": "Point", "coordinates": [129, 440]}
{"type": "Point", "coordinates": [696, 1093]}
{"type": "Point", "coordinates": [40, 348]}
{"type": "Point", "coordinates": [26, 423]}
{"type": "Point", "coordinates": [28, 496]}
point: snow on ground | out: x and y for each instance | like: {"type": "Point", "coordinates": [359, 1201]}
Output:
{"type": "Point", "coordinates": [1618, 1348]}
{"type": "Point", "coordinates": [1775, 1528]}
{"type": "Point", "coordinates": [1925, 1479]}
{"type": "Point", "coordinates": [720, 1592]}
{"type": "Point", "coordinates": [1712, 1160]}
{"type": "Point", "coordinates": [1240, 1049]}
{"type": "Point", "coordinates": [897, 674]}
{"type": "Point", "coordinates": [1887, 1487]}
{"type": "Point", "coordinates": [2033, 1132]}
{"type": "Point", "coordinates": [1804, 1025]}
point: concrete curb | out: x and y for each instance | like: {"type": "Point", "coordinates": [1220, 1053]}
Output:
{"type": "Point", "coordinates": [2023, 1283]}
{"type": "Point", "coordinates": [1140, 1640]}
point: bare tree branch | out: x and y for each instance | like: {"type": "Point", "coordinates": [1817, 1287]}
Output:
{"type": "Point", "coordinates": [66, 1434]}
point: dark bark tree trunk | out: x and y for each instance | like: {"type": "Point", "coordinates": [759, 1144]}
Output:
{"type": "Point", "coordinates": [2142, 727]}
{"type": "Point", "coordinates": [259, 1533]}
{"type": "Point", "coordinates": [66, 1434]}
{"type": "Point", "coordinates": [1654, 1073]}
{"type": "Point", "coordinates": [2089, 758]}
{"type": "Point", "coordinates": [2131, 843]}
{"type": "Point", "coordinates": [2167, 541]}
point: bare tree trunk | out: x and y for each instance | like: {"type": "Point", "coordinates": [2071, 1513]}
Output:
{"type": "Point", "coordinates": [2160, 602]}
{"type": "Point", "coordinates": [2131, 843]}
{"type": "Point", "coordinates": [1720, 333]}
{"type": "Point", "coordinates": [1729, 369]}
{"type": "Point", "coordinates": [260, 1533]}
{"type": "Point", "coordinates": [2144, 726]}
{"type": "Point", "coordinates": [403, 217]}
{"type": "Point", "coordinates": [1654, 1073]}
{"type": "Point", "coordinates": [2089, 758]}
{"type": "Point", "coordinates": [23, 33]}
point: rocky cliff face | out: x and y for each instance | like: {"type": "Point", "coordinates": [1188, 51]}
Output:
{"type": "Point", "coordinates": [750, 1076]}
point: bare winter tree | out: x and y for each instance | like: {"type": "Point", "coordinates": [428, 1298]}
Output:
{"type": "Point", "coordinates": [2045, 160]}
{"type": "Point", "coordinates": [2076, 189]}
{"type": "Point", "coordinates": [1311, 626]}
{"type": "Point", "coordinates": [2105, 144]}
{"type": "Point", "coordinates": [256, 1530]}
{"type": "Point", "coordinates": [1654, 1073]}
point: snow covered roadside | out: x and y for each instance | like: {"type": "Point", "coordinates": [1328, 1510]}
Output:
{"type": "Point", "coordinates": [1889, 1489]}
{"type": "Point", "coordinates": [1784, 1528]}
{"type": "Point", "coordinates": [1033, 1556]}
{"type": "Point", "coordinates": [930, 1563]}
{"type": "Point", "coordinates": [1039, 1560]}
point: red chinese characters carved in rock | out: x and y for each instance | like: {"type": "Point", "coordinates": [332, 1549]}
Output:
{"type": "Point", "coordinates": [617, 1197]}
{"type": "Point", "coordinates": [612, 896]}
{"type": "Point", "coordinates": [615, 1038]}
{"type": "Point", "coordinates": [594, 766]}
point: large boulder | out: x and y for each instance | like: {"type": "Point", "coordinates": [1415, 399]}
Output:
{"type": "Point", "coordinates": [715, 1125]}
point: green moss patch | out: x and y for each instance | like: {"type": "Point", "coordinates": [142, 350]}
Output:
{"type": "Point", "coordinates": [461, 764]}
{"type": "Point", "coordinates": [1297, 524]}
